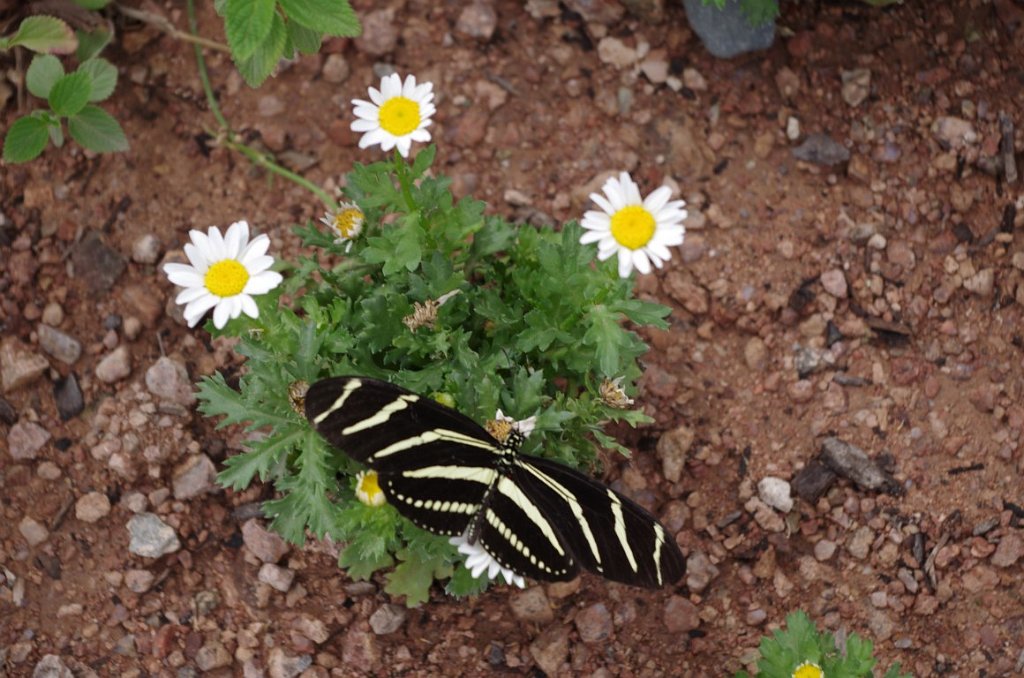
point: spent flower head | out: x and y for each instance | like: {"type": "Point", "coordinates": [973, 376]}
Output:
{"type": "Point", "coordinates": [639, 230]}
{"type": "Point", "coordinates": [346, 222]}
{"type": "Point", "coordinates": [223, 274]}
{"type": "Point", "coordinates": [396, 115]}
{"type": "Point", "coordinates": [613, 395]}
{"type": "Point", "coordinates": [478, 561]}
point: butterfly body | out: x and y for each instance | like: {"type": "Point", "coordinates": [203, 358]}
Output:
{"type": "Point", "coordinates": [450, 476]}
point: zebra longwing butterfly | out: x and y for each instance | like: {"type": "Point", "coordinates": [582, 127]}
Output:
{"type": "Point", "coordinates": [448, 475]}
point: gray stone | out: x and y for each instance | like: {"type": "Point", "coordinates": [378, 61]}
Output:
{"type": "Point", "coordinates": [387, 619]}
{"type": "Point", "coordinates": [68, 396]}
{"type": "Point", "coordinates": [532, 606]}
{"type": "Point", "coordinates": [280, 665]}
{"type": "Point", "coordinates": [168, 379]}
{"type": "Point", "coordinates": [380, 35]}
{"type": "Point", "coordinates": [51, 666]}
{"type": "Point", "coordinates": [34, 532]}
{"type": "Point", "coordinates": [680, 615]}
{"type": "Point", "coordinates": [335, 69]}
{"type": "Point", "coordinates": [813, 481]}
{"type": "Point", "coordinates": [478, 20]}
{"type": "Point", "coordinates": [262, 543]}
{"type": "Point", "coordinates": [25, 439]}
{"type": "Point", "coordinates": [269, 105]}
{"type": "Point", "coordinates": [551, 649]}
{"type": "Point", "coordinates": [727, 32]}
{"type": "Point", "coordinates": [18, 365]}
{"type": "Point", "coordinates": [63, 347]}
{"type": "Point", "coordinates": [594, 623]}
{"type": "Point", "coordinates": [700, 571]}
{"type": "Point", "coordinates": [92, 507]}
{"type": "Point", "coordinates": [276, 577]}
{"type": "Point", "coordinates": [834, 282]}
{"type": "Point", "coordinates": [212, 656]}
{"type": "Point", "coordinates": [859, 545]}
{"type": "Point", "coordinates": [98, 265]}
{"type": "Point", "coordinates": [115, 367]}
{"type": "Point", "coordinates": [138, 581]}
{"type": "Point", "coordinates": [1009, 551]}
{"type": "Point", "coordinates": [151, 537]}
{"type": "Point", "coordinates": [605, 12]}
{"type": "Point", "coordinates": [195, 476]}
{"type": "Point", "coordinates": [146, 250]}
{"type": "Point", "coordinates": [776, 493]}
{"type": "Point", "coordinates": [852, 462]}
{"type": "Point", "coordinates": [821, 149]}
{"type": "Point", "coordinates": [673, 447]}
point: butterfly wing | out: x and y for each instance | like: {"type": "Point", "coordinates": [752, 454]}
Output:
{"type": "Point", "coordinates": [434, 464]}
{"type": "Point", "coordinates": [607, 533]}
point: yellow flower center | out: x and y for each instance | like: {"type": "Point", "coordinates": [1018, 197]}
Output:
{"type": "Point", "coordinates": [347, 221]}
{"type": "Point", "coordinates": [400, 116]}
{"type": "Point", "coordinates": [368, 489]}
{"type": "Point", "coordinates": [226, 278]}
{"type": "Point", "coordinates": [633, 227]}
{"type": "Point", "coordinates": [808, 670]}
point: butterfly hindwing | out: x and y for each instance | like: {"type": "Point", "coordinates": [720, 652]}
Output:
{"type": "Point", "coordinates": [608, 533]}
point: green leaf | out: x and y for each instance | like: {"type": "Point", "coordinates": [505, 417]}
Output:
{"type": "Point", "coordinates": [25, 139]}
{"type": "Point", "coordinates": [414, 576]}
{"type": "Point", "coordinates": [91, 43]}
{"type": "Point", "coordinates": [42, 73]}
{"type": "Point", "coordinates": [92, 4]}
{"type": "Point", "coordinates": [463, 583]}
{"type": "Point", "coordinates": [263, 61]}
{"type": "Point", "coordinates": [361, 565]}
{"type": "Point", "coordinates": [56, 133]}
{"type": "Point", "coordinates": [70, 93]}
{"type": "Point", "coordinates": [247, 24]}
{"type": "Point", "coordinates": [333, 17]}
{"type": "Point", "coordinates": [306, 40]}
{"type": "Point", "coordinates": [95, 129]}
{"type": "Point", "coordinates": [44, 34]}
{"type": "Point", "coordinates": [103, 75]}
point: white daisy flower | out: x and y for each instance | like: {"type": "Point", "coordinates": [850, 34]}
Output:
{"type": "Point", "coordinates": [224, 273]}
{"type": "Point", "coordinates": [347, 223]}
{"type": "Point", "coordinates": [524, 426]}
{"type": "Point", "coordinates": [640, 231]}
{"type": "Point", "coordinates": [396, 115]}
{"type": "Point", "coordinates": [478, 560]}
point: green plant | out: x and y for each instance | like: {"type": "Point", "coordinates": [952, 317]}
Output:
{"type": "Point", "coordinates": [446, 301]}
{"type": "Point", "coordinates": [801, 651]}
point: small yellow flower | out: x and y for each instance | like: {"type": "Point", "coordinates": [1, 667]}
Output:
{"type": "Point", "coordinates": [368, 490]}
{"type": "Point", "coordinates": [346, 223]}
{"type": "Point", "coordinates": [808, 670]}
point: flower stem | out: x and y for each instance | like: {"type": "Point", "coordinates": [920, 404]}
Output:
{"type": "Point", "coordinates": [230, 140]}
{"type": "Point", "coordinates": [405, 181]}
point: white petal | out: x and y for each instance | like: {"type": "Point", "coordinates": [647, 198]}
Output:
{"type": "Point", "coordinates": [391, 86]}
{"type": "Point", "coordinates": [188, 278]}
{"type": "Point", "coordinates": [603, 203]}
{"type": "Point", "coordinates": [178, 268]}
{"type": "Point", "coordinates": [642, 263]}
{"type": "Point", "coordinates": [420, 135]}
{"type": "Point", "coordinates": [367, 112]}
{"type": "Point", "coordinates": [189, 295]}
{"type": "Point", "coordinates": [249, 306]}
{"type": "Point", "coordinates": [258, 264]}
{"type": "Point", "coordinates": [198, 308]}
{"type": "Point", "coordinates": [616, 194]}
{"type": "Point", "coordinates": [376, 96]}
{"type": "Point", "coordinates": [493, 568]}
{"type": "Point", "coordinates": [409, 87]}
{"type": "Point", "coordinates": [427, 110]}
{"type": "Point", "coordinates": [605, 254]}
{"type": "Point", "coordinates": [364, 125]}
{"type": "Point", "coordinates": [200, 240]}
{"type": "Point", "coordinates": [254, 250]}
{"type": "Point", "coordinates": [595, 219]}
{"type": "Point", "coordinates": [262, 283]}
{"type": "Point", "coordinates": [237, 238]}
{"type": "Point", "coordinates": [630, 189]}
{"type": "Point", "coordinates": [591, 236]}
{"type": "Point", "coordinates": [372, 138]}
{"type": "Point", "coordinates": [404, 143]}
{"type": "Point", "coordinates": [625, 262]}
{"type": "Point", "coordinates": [388, 141]}
{"type": "Point", "coordinates": [197, 257]}
{"type": "Point", "coordinates": [221, 314]}
{"type": "Point", "coordinates": [659, 250]}
{"type": "Point", "coordinates": [655, 201]}
{"type": "Point", "coordinates": [218, 251]}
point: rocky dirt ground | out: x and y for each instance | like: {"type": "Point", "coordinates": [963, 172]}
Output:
{"type": "Point", "coordinates": [852, 276]}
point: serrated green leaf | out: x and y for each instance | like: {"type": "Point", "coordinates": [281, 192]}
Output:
{"type": "Point", "coordinates": [362, 565]}
{"type": "Point", "coordinates": [258, 67]}
{"type": "Point", "coordinates": [413, 577]}
{"type": "Point", "coordinates": [25, 139]}
{"type": "Point", "coordinates": [333, 17]}
{"type": "Point", "coordinates": [45, 34]}
{"type": "Point", "coordinates": [91, 43]}
{"type": "Point", "coordinates": [42, 73]}
{"type": "Point", "coordinates": [247, 24]}
{"type": "Point", "coordinates": [103, 75]}
{"type": "Point", "coordinates": [463, 583]}
{"type": "Point", "coordinates": [70, 93]}
{"type": "Point", "coordinates": [306, 40]}
{"type": "Point", "coordinates": [97, 130]}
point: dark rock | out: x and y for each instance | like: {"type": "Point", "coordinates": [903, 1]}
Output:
{"type": "Point", "coordinates": [69, 397]}
{"type": "Point", "coordinates": [813, 481]}
{"type": "Point", "coordinates": [727, 32]}
{"type": "Point", "coordinates": [8, 415]}
{"type": "Point", "coordinates": [95, 263]}
{"type": "Point", "coordinates": [821, 149]}
{"type": "Point", "coordinates": [849, 461]}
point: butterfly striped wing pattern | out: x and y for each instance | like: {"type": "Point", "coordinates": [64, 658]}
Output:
{"type": "Point", "coordinates": [448, 475]}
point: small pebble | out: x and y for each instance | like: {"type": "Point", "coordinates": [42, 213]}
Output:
{"type": "Point", "coordinates": [115, 367]}
{"type": "Point", "coordinates": [276, 577]}
{"type": "Point", "coordinates": [92, 507]}
{"type": "Point", "coordinates": [776, 493]}
{"type": "Point", "coordinates": [34, 532]}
